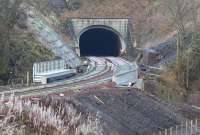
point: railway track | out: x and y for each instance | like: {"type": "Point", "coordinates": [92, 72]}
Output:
{"type": "Point", "coordinates": [100, 71]}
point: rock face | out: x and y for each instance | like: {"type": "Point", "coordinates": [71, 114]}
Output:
{"type": "Point", "coordinates": [128, 112]}
{"type": "Point", "coordinates": [44, 33]}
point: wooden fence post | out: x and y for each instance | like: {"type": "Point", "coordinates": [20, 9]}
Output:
{"type": "Point", "coordinates": [27, 79]}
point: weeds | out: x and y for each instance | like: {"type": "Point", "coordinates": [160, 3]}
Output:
{"type": "Point", "coordinates": [47, 116]}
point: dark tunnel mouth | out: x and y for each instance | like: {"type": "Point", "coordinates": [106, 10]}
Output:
{"type": "Point", "coordinates": [99, 42]}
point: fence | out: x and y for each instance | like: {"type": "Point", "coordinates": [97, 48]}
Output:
{"type": "Point", "coordinates": [187, 128]}
{"type": "Point", "coordinates": [47, 66]}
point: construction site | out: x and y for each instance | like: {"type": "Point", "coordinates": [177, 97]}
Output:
{"type": "Point", "coordinates": [98, 83]}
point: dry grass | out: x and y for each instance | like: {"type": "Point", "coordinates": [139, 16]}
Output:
{"type": "Point", "coordinates": [47, 116]}
{"type": "Point", "coordinates": [168, 88]}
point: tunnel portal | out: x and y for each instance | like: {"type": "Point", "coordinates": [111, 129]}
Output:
{"type": "Point", "coordinates": [99, 42]}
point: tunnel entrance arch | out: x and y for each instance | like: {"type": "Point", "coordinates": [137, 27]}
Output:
{"type": "Point", "coordinates": [100, 41]}
{"type": "Point", "coordinates": [120, 26]}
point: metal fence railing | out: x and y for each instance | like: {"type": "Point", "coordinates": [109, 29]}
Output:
{"type": "Point", "coordinates": [48, 66]}
{"type": "Point", "coordinates": [191, 127]}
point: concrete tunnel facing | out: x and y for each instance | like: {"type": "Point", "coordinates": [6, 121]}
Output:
{"type": "Point", "coordinates": [99, 42]}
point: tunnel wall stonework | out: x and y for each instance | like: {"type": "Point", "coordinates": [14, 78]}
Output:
{"type": "Point", "coordinates": [121, 26]}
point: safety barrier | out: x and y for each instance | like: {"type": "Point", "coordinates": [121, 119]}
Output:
{"type": "Point", "coordinates": [47, 66]}
{"type": "Point", "coordinates": [191, 127]}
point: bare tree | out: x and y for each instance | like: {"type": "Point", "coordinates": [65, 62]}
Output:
{"type": "Point", "coordinates": [8, 9]}
{"type": "Point", "coordinates": [177, 10]}
{"type": "Point", "coordinates": [184, 17]}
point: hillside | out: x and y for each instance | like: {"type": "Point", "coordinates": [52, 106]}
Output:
{"type": "Point", "coordinates": [128, 111]}
{"type": "Point", "coordinates": [149, 25]}
{"type": "Point", "coordinates": [92, 102]}
{"type": "Point", "coordinates": [18, 48]}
